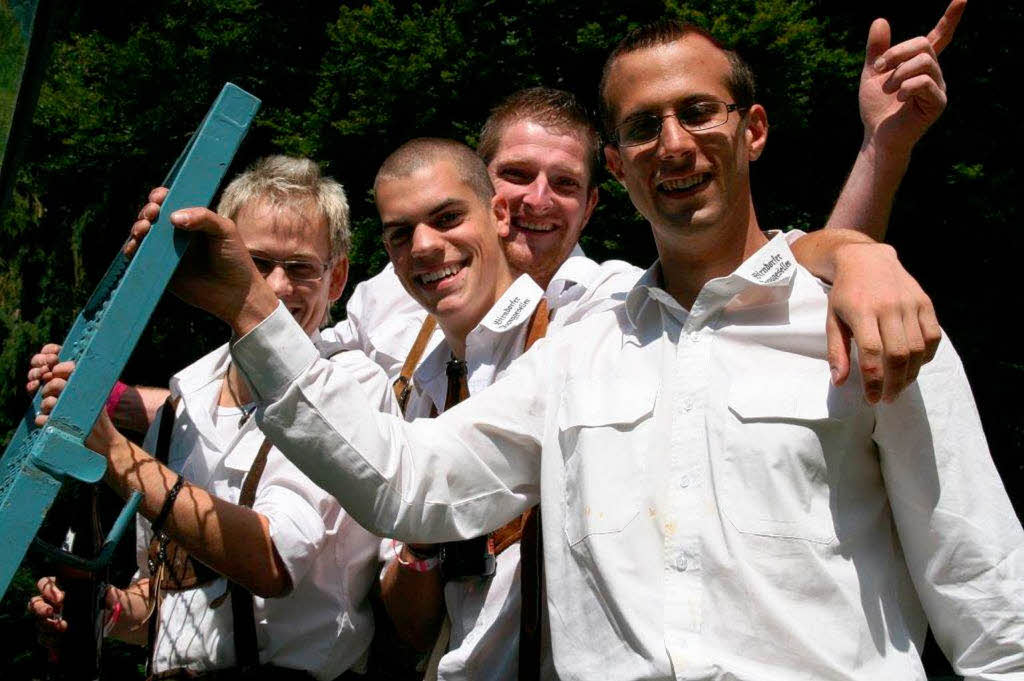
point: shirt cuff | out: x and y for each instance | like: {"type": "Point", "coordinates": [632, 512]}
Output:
{"type": "Point", "coordinates": [274, 354]}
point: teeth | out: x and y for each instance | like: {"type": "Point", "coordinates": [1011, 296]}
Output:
{"type": "Point", "coordinates": [440, 274]}
{"type": "Point", "coordinates": [536, 227]}
{"type": "Point", "coordinates": [679, 185]}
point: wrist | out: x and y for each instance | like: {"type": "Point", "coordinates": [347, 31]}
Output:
{"type": "Point", "coordinates": [260, 303]}
{"type": "Point", "coordinates": [425, 558]}
{"type": "Point", "coordinates": [886, 156]}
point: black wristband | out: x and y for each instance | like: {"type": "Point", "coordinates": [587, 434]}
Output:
{"type": "Point", "coordinates": [165, 510]}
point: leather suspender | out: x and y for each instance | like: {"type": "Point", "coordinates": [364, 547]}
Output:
{"type": "Point", "coordinates": [246, 648]}
{"type": "Point", "coordinates": [403, 384]}
{"type": "Point", "coordinates": [531, 554]}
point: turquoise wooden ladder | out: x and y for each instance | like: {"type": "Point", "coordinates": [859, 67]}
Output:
{"type": "Point", "coordinates": [39, 460]}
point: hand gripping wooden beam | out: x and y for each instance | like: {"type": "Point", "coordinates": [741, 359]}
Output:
{"type": "Point", "coordinates": [38, 460]}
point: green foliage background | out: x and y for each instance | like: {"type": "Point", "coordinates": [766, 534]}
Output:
{"type": "Point", "coordinates": [345, 83]}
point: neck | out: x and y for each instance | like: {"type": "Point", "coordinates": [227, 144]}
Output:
{"type": "Point", "coordinates": [690, 259]}
{"type": "Point", "coordinates": [456, 331]}
{"type": "Point", "coordinates": [234, 391]}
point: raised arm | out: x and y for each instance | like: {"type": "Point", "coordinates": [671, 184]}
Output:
{"type": "Point", "coordinates": [396, 478]}
{"type": "Point", "coordinates": [902, 92]}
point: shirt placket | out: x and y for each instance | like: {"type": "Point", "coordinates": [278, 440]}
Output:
{"type": "Point", "coordinates": [687, 366]}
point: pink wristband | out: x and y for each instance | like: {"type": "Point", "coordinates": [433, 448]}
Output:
{"type": "Point", "coordinates": [115, 397]}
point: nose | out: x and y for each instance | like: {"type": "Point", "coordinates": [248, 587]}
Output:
{"type": "Point", "coordinates": [427, 242]}
{"type": "Point", "coordinates": [538, 196]}
{"type": "Point", "coordinates": [675, 140]}
{"type": "Point", "coordinates": [279, 281]}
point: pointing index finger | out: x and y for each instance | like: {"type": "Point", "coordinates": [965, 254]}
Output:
{"type": "Point", "coordinates": [942, 34]}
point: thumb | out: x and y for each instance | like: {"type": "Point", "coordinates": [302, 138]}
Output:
{"type": "Point", "coordinates": [879, 40]}
{"type": "Point", "coordinates": [201, 220]}
{"type": "Point", "coordinates": [837, 339]}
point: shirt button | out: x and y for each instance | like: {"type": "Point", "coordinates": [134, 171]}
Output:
{"type": "Point", "coordinates": [681, 562]}
{"type": "Point", "coordinates": [695, 336]}
{"type": "Point", "coordinates": [684, 481]}
{"type": "Point", "coordinates": [687, 404]}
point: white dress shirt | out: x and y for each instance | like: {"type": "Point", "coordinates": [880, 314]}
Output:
{"type": "Point", "coordinates": [713, 507]}
{"type": "Point", "coordinates": [383, 321]}
{"type": "Point", "coordinates": [324, 624]}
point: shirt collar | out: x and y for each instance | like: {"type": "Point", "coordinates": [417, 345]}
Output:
{"type": "Point", "coordinates": [576, 269]}
{"type": "Point", "coordinates": [512, 310]}
{"type": "Point", "coordinates": [765, 277]}
{"type": "Point", "coordinates": [201, 373]}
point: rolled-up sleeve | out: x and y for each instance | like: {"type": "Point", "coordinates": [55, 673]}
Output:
{"type": "Point", "coordinates": [962, 540]}
{"type": "Point", "coordinates": [297, 514]}
{"type": "Point", "coordinates": [455, 477]}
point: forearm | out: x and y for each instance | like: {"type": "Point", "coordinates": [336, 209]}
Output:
{"type": "Point", "coordinates": [134, 602]}
{"type": "Point", "coordinates": [429, 481]}
{"type": "Point", "coordinates": [819, 251]}
{"type": "Point", "coordinates": [414, 601]}
{"type": "Point", "coordinates": [233, 540]}
{"type": "Point", "coordinates": [137, 407]}
{"type": "Point", "coordinates": [865, 202]}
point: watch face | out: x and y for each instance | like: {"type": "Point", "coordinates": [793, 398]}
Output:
{"type": "Point", "coordinates": [469, 559]}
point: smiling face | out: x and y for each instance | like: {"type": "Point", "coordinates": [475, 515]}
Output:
{"type": "Point", "coordinates": [543, 175]}
{"type": "Point", "coordinates": [445, 243]}
{"type": "Point", "coordinates": [296, 234]}
{"type": "Point", "coordinates": [684, 183]}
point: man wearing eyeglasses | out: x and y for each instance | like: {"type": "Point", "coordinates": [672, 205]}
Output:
{"type": "Point", "coordinates": [249, 570]}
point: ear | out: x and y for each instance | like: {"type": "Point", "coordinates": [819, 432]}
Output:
{"type": "Point", "coordinates": [757, 131]}
{"type": "Point", "coordinates": [499, 209]}
{"type": "Point", "coordinates": [613, 159]}
{"type": "Point", "coordinates": [339, 276]}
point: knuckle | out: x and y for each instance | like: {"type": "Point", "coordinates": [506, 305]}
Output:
{"type": "Point", "coordinates": [870, 351]}
{"type": "Point", "coordinates": [898, 359]}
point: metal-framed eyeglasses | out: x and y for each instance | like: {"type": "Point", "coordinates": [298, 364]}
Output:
{"type": "Point", "coordinates": [303, 271]}
{"type": "Point", "coordinates": [695, 117]}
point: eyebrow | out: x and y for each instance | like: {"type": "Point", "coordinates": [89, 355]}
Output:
{"type": "Point", "coordinates": [559, 167]}
{"type": "Point", "coordinates": [445, 204]}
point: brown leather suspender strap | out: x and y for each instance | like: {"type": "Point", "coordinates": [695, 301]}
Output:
{"type": "Point", "coordinates": [531, 556]}
{"type": "Point", "coordinates": [403, 384]}
{"type": "Point", "coordinates": [538, 324]}
{"type": "Point", "coordinates": [162, 454]}
{"type": "Point", "coordinates": [247, 653]}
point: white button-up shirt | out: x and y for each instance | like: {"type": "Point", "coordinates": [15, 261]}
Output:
{"type": "Point", "coordinates": [324, 624]}
{"type": "Point", "coordinates": [713, 507]}
{"type": "Point", "coordinates": [383, 321]}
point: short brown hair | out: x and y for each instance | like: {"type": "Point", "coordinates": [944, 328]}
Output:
{"type": "Point", "coordinates": [740, 81]}
{"type": "Point", "coordinates": [423, 151]}
{"type": "Point", "coordinates": [552, 108]}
